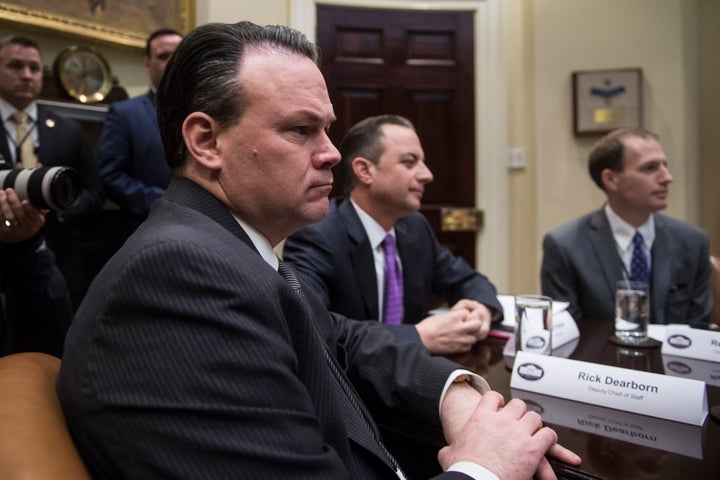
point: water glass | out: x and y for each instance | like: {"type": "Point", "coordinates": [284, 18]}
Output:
{"type": "Point", "coordinates": [632, 311]}
{"type": "Point", "coordinates": [533, 332]}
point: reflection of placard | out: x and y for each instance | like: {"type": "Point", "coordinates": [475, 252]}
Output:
{"type": "Point", "coordinates": [708, 372]}
{"type": "Point", "coordinates": [607, 99]}
{"type": "Point", "coordinates": [638, 429]}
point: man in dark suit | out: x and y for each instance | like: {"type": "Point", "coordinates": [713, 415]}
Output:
{"type": "Point", "coordinates": [198, 355]}
{"type": "Point", "coordinates": [584, 259]}
{"type": "Point", "coordinates": [35, 311]}
{"type": "Point", "coordinates": [51, 140]}
{"type": "Point", "coordinates": [130, 152]}
{"type": "Point", "coordinates": [384, 175]}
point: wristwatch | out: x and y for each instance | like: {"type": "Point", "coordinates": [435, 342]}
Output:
{"type": "Point", "coordinates": [83, 73]}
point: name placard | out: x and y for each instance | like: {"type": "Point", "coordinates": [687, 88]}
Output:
{"type": "Point", "coordinates": [672, 398]}
{"type": "Point", "coordinates": [683, 341]}
{"type": "Point", "coordinates": [630, 427]}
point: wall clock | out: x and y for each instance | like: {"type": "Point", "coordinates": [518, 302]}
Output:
{"type": "Point", "coordinates": [83, 73]}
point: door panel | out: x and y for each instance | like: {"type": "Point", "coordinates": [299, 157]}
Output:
{"type": "Point", "coordinates": [418, 64]}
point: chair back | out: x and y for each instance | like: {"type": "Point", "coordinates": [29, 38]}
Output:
{"type": "Point", "coordinates": [715, 289]}
{"type": "Point", "coordinates": [35, 443]}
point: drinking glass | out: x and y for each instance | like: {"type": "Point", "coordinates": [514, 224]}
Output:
{"type": "Point", "coordinates": [533, 333]}
{"type": "Point", "coordinates": [632, 311]}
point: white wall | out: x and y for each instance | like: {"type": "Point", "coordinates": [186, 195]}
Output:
{"type": "Point", "coordinates": [650, 34]}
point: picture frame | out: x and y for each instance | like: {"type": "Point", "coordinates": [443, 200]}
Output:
{"type": "Point", "coordinates": [604, 100]}
{"type": "Point", "coordinates": [124, 23]}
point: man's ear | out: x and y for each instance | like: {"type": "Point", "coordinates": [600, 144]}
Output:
{"type": "Point", "coordinates": [609, 180]}
{"type": "Point", "coordinates": [200, 133]}
{"type": "Point", "coordinates": [363, 169]}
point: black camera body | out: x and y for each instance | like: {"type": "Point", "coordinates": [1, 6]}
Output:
{"type": "Point", "coordinates": [54, 188]}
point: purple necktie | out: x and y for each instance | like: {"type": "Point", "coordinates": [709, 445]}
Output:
{"type": "Point", "coordinates": [393, 283]}
{"type": "Point", "coordinates": [639, 270]}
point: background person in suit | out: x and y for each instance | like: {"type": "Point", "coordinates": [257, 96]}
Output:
{"type": "Point", "coordinates": [56, 141]}
{"type": "Point", "coordinates": [583, 260]}
{"type": "Point", "coordinates": [384, 175]}
{"type": "Point", "coordinates": [198, 355]}
{"type": "Point", "coordinates": [130, 152]}
{"type": "Point", "coordinates": [35, 309]}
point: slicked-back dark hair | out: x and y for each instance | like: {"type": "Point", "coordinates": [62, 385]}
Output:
{"type": "Point", "coordinates": [161, 32]}
{"type": "Point", "coordinates": [608, 152]}
{"type": "Point", "coordinates": [202, 76]}
{"type": "Point", "coordinates": [365, 139]}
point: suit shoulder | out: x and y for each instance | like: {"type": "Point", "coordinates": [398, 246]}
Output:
{"type": "Point", "coordinates": [573, 228]}
{"type": "Point", "coordinates": [680, 228]}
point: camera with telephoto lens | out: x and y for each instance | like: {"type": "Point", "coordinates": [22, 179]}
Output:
{"type": "Point", "coordinates": [53, 188]}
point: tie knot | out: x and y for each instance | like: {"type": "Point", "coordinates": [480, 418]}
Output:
{"type": "Point", "coordinates": [19, 117]}
{"type": "Point", "coordinates": [638, 240]}
{"type": "Point", "coordinates": [389, 245]}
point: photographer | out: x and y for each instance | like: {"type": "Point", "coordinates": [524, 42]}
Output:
{"type": "Point", "coordinates": [35, 310]}
{"type": "Point", "coordinates": [35, 136]}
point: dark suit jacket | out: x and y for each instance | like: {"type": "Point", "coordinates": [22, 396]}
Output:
{"type": "Point", "coordinates": [581, 265]}
{"type": "Point", "coordinates": [35, 312]}
{"type": "Point", "coordinates": [336, 258]}
{"type": "Point", "coordinates": [132, 159]}
{"type": "Point", "coordinates": [63, 143]}
{"type": "Point", "coordinates": [192, 358]}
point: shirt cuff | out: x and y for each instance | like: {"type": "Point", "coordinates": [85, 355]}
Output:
{"type": "Point", "coordinates": [477, 472]}
{"type": "Point", "coordinates": [461, 375]}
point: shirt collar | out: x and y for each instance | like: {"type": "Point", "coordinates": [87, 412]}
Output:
{"type": "Point", "coordinates": [623, 232]}
{"type": "Point", "coordinates": [376, 234]}
{"type": "Point", "coordinates": [260, 242]}
{"type": "Point", "coordinates": [6, 110]}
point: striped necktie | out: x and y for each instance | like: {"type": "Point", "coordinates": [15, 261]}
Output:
{"type": "Point", "coordinates": [393, 306]}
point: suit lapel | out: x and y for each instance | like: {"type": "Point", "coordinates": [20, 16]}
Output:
{"type": "Point", "coordinates": [47, 137]}
{"type": "Point", "coordinates": [408, 249]}
{"type": "Point", "coordinates": [6, 160]}
{"type": "Point", "coordinates": [661, 275]}
{"type": "Point", "coordinates": [603, 245]}
{"type": "Point", "coordinates": [362, 259]}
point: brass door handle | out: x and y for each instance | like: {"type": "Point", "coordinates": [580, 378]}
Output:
{"type": "Point", "coordinates": [457, 219]}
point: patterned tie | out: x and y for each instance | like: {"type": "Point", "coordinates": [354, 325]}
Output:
{"type": "Point", "coordinates": [23, 142]}
{"type": "Point", "coordinates": [393, 283]}
{"type": "Point", "coordinates": [290, 277]}
{"type": "Point", "coordinates": [639, 270]}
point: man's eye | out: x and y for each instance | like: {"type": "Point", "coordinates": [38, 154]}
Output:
{"type": "Point", "coordinates": [302, 130]}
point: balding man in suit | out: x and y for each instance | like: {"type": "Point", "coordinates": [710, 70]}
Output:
{"type": "Point", "coordinates": [197, 354]}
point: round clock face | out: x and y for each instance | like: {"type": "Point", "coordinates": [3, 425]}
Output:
{"type": "Point", "coordinates": [84, 74]}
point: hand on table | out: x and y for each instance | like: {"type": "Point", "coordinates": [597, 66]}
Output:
{"type": "Point", "coordinates": [456, 331]}
{"type": "Point", "coordinates": [508, 440]}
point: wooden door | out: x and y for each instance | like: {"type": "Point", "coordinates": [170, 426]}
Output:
{"type": "Point", "coordinates": [418, 64]}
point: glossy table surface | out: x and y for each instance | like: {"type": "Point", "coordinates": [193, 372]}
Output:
{"type": "Point", "coordinates": [613, 444]}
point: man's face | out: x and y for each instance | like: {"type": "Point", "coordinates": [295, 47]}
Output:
{"type": "Point", "coordinates": [643, 184]}
{"type": "Point", "coordinates": [277, 159]}
{"type": "Point", "coordinates": [161, 49]}
{"type": "Point", "coordinates": [400, 176]}
{"type": "Point", "coordinates": [20, 75]}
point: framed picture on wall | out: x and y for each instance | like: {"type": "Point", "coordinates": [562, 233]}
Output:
{"type": "Point", "coordinates": [604, 100]}
{"type": "Point", "coordinates": [126, 23]}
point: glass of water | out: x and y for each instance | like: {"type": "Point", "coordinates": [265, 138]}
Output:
{"type": "Point", "coordinates": [533, 333]}
{"type": "Point", "coordinates": [632, 311]}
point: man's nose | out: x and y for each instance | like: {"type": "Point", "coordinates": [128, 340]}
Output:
{"type": "Point", "coordinates": [666, 175]}
{"type": "Point", "coordinates": [425, 175]}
